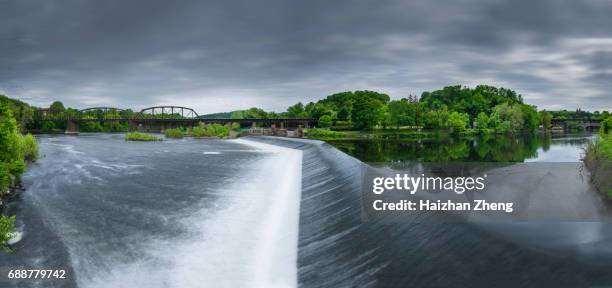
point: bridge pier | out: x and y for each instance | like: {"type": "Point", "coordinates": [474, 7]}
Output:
{"type": "Point", "coordinates": [72, 128]}
{"type": "Point", "coordinates": [134, 126]}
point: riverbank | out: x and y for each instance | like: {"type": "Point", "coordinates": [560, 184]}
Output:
{"type": "Point", "coordinates": [330, 134]}
{"type": "Point", "coordinates": [16, 152]}
{"type": "Point", "coordinates": [327, 134]}
{"type": "Point", "coordinates": [598, 159]}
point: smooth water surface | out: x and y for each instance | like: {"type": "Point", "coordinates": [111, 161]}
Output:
{"type": "Point", "coordinates": [489, 148]}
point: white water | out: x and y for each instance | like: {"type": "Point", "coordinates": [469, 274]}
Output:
{"type": "Point", "coordinates": [248, 240]}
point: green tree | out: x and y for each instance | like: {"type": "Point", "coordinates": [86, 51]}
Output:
{"type": "Point", "coordinates": [508, 118]}
{"type": "Point", "coordinates": [366, 112]}
{"type": "Point", "coordinates": [11, 148]}
{"type": "Point", "coordinates": [531, 118]}
{"type": "Point", "coordinates": [482, 121]}
{"type": "Point", "coordinates": [402, 113]}
{"type": "Point", "coordinates": [296, 110]}
{"type": "Point", "coordinates": [325, 121]}
{"type": "Point", "coordinates": [237, 114]}
{"type": "Point", "coordinates": [57, 106]}
{"type": "Point", "coordinates": [458, 121]}
{"type": "Point", "coordinates": [545, 119]}
{"type": "Point", "coordinates": [436, 119]}
{"type": "Point", "coordinates": [470, 100]}
{"type": "Point", "coordinates": [255, 113]}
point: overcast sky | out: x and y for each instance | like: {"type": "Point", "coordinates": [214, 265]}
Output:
{"type": "Point", "coordinates": [226, 55]}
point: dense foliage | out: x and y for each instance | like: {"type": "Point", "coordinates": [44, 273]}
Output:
{"type": "Point", "coordinates": [483, 109]}
{"type": "Point", "coordinates": [15, 149]}
{"type": "Point", "coordinates": [7, 230]}
{"type": "Point", "coordinates": [91, 126]}
{"type": "Point", "coordinates": [606, 126]}
{"type": "Point", "coordinates": [137, 136]}
{"type": "Point", "coordinates": [471, 101]}
{"type": "Point", "coordinates": [604, 143]}
{"type": "Point", "coordinates": [22, 112]}
{"type": "Point", "coordinates": [580, 114]}
{"type": "Point", "coordinates": [210, 130]}
{"type": "Point", "coordinates": [30, 147]}
{"type": "Point", "coordinates": [598, 159]}
{"type": "Point", "coordinates": [174, 133]}
{"type": "Point", "coordinates": [12, 159]}
{"type": "Point", "coordinates": [454, 108]}
{"type": "Point", "coordinates": [324, 134]}
{"type": "Point", "coordinates": [325, 121]}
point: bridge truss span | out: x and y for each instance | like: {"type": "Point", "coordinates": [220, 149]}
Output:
{"type": "Point", "coordinates": [101, 109]}
{"type": "Point", "coordinates": [169, 112]}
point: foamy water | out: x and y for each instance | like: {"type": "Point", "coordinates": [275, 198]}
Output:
{"type": "Point", "coordinates": [248, 240]}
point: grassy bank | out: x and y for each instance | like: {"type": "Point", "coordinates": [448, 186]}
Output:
{"type": "Point", "coordinates": [7, 231]}
{"type": "Point", "coordinates": [326, 134]}
{"type": "Point", "coordinates": [136, 136]}
{"type": "Point", "coordinates": [598, 159]}
{"type": "Point", "coordinates": [203, 131]}
{"type": "Point", "coordinates": [176, 133]}
{"type": "Point", "coordinates": [400, 133]}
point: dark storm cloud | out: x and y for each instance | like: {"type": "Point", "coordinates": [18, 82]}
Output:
{"type": "Point", "coordinates": [224, 55]}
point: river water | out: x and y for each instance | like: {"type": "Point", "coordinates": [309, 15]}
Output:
{"type": "Point", "coordinates": [269, 212]}
{"type": "Point", "coordinates": [177, 213]}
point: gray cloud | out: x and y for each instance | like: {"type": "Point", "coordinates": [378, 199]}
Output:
{"type": "Point", "coordinates": [225, 55]}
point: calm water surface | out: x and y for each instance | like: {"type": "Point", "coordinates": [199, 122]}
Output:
{"type": "Point", "coordinates": [496, 148]}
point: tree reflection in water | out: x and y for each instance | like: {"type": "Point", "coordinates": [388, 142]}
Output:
{"type": "Point", "coordinates": [486, 148]}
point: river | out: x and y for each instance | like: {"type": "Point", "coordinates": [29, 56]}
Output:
{"type": "Point", "coordinates": [194, 213]}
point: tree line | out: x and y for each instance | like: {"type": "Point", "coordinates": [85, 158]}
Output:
{"type": "Point", "coordinates": [485, 109]}
{"type": "Point", "coordinates": [16, 150]}
{"type": "Point", "coordinates": [455, 108]}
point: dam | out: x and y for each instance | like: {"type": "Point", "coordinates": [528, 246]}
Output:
{"type": "Point", "coordinates": [183, 213]}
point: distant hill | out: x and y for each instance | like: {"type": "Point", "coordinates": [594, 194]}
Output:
{"type": "Point", "coordinates": [222, 115]}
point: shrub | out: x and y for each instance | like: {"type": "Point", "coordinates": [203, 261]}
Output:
{"type": "Point", "coordinates": [12, 149]}
{"type": "Point", "coordinates": [598, 159]}
{"type": "Point", "coordinates": [136, 136]}
{"type": "Point", "coordinates": [325, 121]}
{"type": "Point", "coordinates": [210, 130]}
{"type": "Point", "coordinates": [5, 178]}
{"type": "Point", "coordinates": [343, 125]}
{"type": "Point", "coordinates": [7, 230]}
{"type": "Point", "coordinates": [174, 133]}
{"type": "Point", "coordinates": [324, 134]}
{"type": "Point", "coordinates": [10, 139]}
{"type": "Point", "coordinates": [606, 126]}
{"type": "Point", "coordinates": [482, 121]}
{"type": "Point", "coordinates": [604, 145]}
{"type": "Point", "coordinates": [197, 131]}
{"type": "Point", "coordinates": [458, 121]}
{"type": "Point", "coordinates": [31, 148]}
